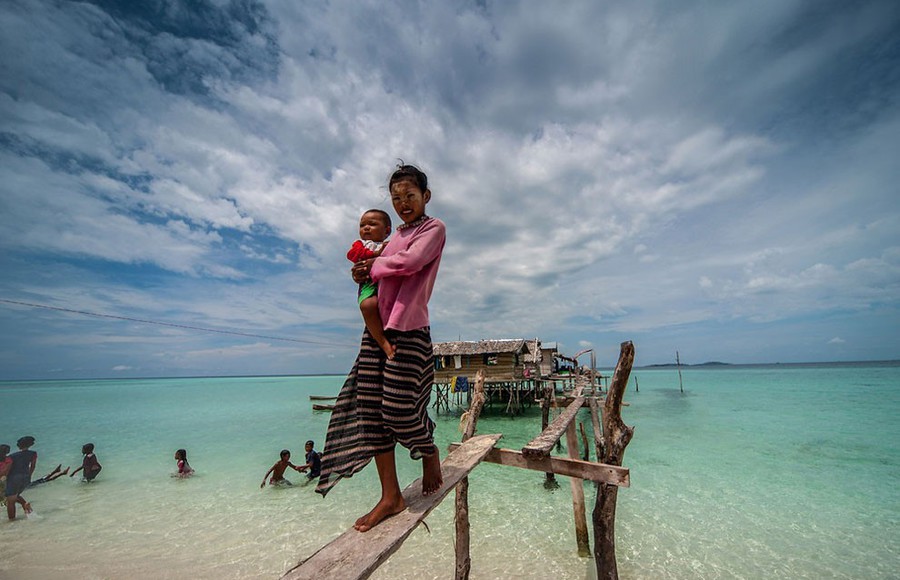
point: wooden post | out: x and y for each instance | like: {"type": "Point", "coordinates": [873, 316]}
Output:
{"type": "Point", "coordinates": [463, 558]}
{"type": "Point", "coordinates": [584, 441]}
{"type": "Point", "coordinates": [581, 530]}
{"type": "Point", "coordinates": [678, 362]}
{"type": "Point", "coordinates": [598, 434]}
{"type": "Point", "coordinates": [549, 477]}
{"type": "Point", "coordinates": [616, 436]}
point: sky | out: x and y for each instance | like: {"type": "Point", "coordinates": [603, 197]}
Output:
{"type": "Point", "coordinates": [180, 180]}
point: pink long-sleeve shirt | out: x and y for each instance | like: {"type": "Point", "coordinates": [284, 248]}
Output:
{"type": "Point", "coordinates": [406, 272]}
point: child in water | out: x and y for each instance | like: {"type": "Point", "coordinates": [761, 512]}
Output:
{"type": "Point", "coordinates": [313, 461]}
{"type": "Point", "coordinates": [278, 470]}
{"type": "Point", "coordinates": [374, 228]}
{"type": "Point", "coordinates": [184, 469]}
{"type": "Point", "coordinates": [90, 465]}
{"type": "Point", "coordinates": [19, 475]}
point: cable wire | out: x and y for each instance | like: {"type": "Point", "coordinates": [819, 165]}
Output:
{"type": "Point", "coordinates": [169, 324]}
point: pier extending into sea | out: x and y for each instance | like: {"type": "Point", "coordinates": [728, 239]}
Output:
{"type": "Point", "coordinates": [355, 555]}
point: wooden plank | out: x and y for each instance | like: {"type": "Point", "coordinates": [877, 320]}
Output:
{"type": "Point", "coordinates": [600, 472]}
{"type": "Point", "coordinates": [355, 555]}
{"type": "Point", "coordinates": [541, 445]}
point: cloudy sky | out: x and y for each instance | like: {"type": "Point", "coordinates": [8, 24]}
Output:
{"type": "Point", "coordinates": [179, 181]}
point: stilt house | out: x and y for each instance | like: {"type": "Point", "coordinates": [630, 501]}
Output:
{"type": "Point", "coordinates": [504, 360]}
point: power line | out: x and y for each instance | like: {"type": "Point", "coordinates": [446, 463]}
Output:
{"type": "Point", "coordinates": [169, 324]}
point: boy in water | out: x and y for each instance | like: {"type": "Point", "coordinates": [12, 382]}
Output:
{"type": "Point", "coordinates": [374, 228]}
{"type": "Point", "coordinates": [90, 464]}
{"type": "Point", "coordinates": [313, 461]}
{"type": "Point", "coordinates": [278, 470]}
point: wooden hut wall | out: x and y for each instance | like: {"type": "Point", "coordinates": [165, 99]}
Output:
{"type": "Point", "coordinates": [506, 368]}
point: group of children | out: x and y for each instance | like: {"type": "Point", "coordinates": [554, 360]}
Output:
{"type": "Point", "coordinates": [16, 470]}
{"type": "Point", "coordinates": [313, 466]}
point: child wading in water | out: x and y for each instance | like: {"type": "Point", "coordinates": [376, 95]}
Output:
{"type": "Point", "coordinates": [385, 401]}
{"type": "Point", "coordinates": [181, 462]}
{"type": "Point", "coordinates": [278, 470]}
{"type": "Point", "coordinates": [374, 228]}
{"type": "Point", "coordinates": [18, 477]}
{"type": "Point", "coordinates": [90, 465]}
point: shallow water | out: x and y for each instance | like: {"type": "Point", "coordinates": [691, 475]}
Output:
{"type": "Point", "coordinates": [754, 472]}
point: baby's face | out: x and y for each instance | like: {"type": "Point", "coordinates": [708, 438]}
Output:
{"type": "Point", "coordinates": [372, 227]}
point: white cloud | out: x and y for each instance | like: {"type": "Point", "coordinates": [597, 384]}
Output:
{"type": "Point", "coordinates": [602, 171]}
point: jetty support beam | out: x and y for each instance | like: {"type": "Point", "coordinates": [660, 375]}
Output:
{"type": "Point", "coordinates": [463, 558]}
{"type": "Point", "coordinates": [577, 484]}
{"type": "Point", "coordinates": [616, 436]}
{"type": "Point", "coordinates": [609, 474]}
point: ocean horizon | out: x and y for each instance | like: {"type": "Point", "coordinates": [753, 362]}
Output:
{"type": "Point", "coordinates": [609, 370]}
{"type": "Point", "coordinates": [784, 470]}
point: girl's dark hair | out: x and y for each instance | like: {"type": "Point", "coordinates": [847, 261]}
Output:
{"type": "Point", "coordinates": [183, 454]}
{"type": "Point", "coordinates": [285, 452]}
{"type": "Point", "coordinates": [4, 448]}
{"type": "Point", "coordinates": [409, 173]}
{"type": "Point", "coordinates": [87, 448]}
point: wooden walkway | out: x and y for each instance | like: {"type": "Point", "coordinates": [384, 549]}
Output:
{"type": "Point", "coordinates": [355, 555]}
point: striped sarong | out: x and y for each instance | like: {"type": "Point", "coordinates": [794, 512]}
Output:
{"type": "Point", "coordinates": [382, 403]}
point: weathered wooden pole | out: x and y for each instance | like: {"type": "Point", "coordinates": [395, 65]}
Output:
{"type": "Point", "coordinates": [581, 529]}
{"type": "Point", "coordinates": [586, 455]}
{"type": "Point", "coordinates": [616, 436]}
{"type": "Point", "coordinates": [463, 559]}
{"type": "Point", "coordinates": [678, 362]}
{"type": "Point", "coordinates": [549, 477]}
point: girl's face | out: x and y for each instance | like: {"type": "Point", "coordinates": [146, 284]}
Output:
{"type": "Point", "coordinates": [409, 201]}
{"type": "Point", "coordinates": [177, 456]}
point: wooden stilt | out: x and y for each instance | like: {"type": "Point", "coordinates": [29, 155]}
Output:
{"type": "Point", "coordinates": [584, 441]}
{"type": "Point", "coordinates": [598, 434]}
{"type": "Point", "coordinates": [581, 530]}
{"type": "Point", "coordinates": [463, 558]}
{"type": "Point", "coordinates": [616, 436]}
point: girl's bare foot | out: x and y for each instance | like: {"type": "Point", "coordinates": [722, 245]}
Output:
{"type": "Point", "coordinates": [56, 469]}
{"type": "Point", "coordinates": [382, 510]}
{"type": "Point", "coordinates": [27, 507]}
{"type": "Point", "coordinates": [66, 470]}
{"type": "Point", "coordinates": [432, 478]}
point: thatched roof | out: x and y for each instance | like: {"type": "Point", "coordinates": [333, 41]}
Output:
{"type": "Point", "coordinates": [512, 345]}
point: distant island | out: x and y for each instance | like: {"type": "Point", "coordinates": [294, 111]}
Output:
{"type": "Point", "coordinates": [706, 364]}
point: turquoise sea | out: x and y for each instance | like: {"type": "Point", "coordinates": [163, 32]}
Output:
{"type": "Point", "coordinates": [781, 471]}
